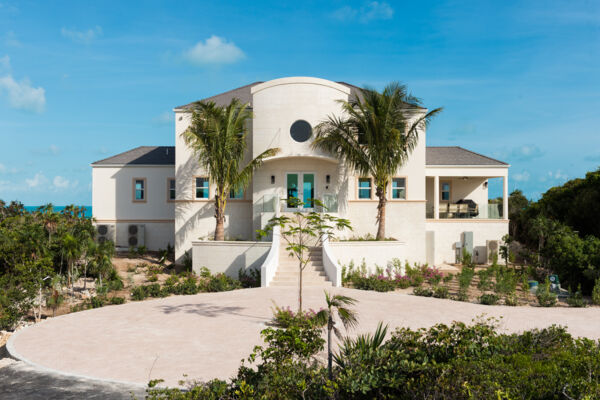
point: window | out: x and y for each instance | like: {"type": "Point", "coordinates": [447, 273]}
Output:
{"type": "Point", "coordinates": [202, 188]}
{"type": "Point", "coordinates": [446, 191]}
{"type": "Point", "coordinates": [364, 188]}
{"type": "Point", "coordinates": [236, 194]}
{"type": "Point", "coordinates": [139, 189]}
{"type": "Point", "coordinates": [300, 131]}
{"type": "Point", "coordinates": [399, 188]}
{"type": "Point", "coordinates": [171, 189]}
{"type": "Point", "coordinates": [362, 139]}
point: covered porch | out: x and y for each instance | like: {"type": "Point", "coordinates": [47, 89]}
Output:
{"type": "Point", "coordinates": [462, 193]}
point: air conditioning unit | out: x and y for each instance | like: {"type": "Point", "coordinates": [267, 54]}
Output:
{"type": "Point", "coordinates": [135, 235]}
{"type": "Point", "coordinates": [492, 247]}
{"type": "Point", "coordinates": [106, 232]}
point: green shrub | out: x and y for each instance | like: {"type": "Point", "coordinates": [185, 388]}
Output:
{"type": "Point", "coordinates": [448, 278]}
{"type": "Point", "coordinates": [187, 261]}
{"type": "Point", "coordinates": [506, 280]}
{"type": "Point", "coordinates": [97, 301]}
{"type": "Point", "coordinates": [187, 286]}
{"type": "Point", "coordinates": [485, 279]}
{"type": "Point", "coordinates": [576, 299]}
{"type": "Point", "coordinates": [249, 278]}
{"type": "Point", "coordinates": [221, 283]}
{"type": "Point", "coordinates": [465, 277]}
{"type": "Point", "coordinates": [117, 300]}
{"type": "Point", "coordinates": [462, 295]}
{"type": "Point", "coordinates": [139, 293]}
{"type": "Point", "coordinates": [544, 296]}
{"type": "Point", "coordinates": [511, 300]}
{"type": "Point", "coordinates": [489, 299]}
{"type": "Point", "coordinates": [402, 282]}
{"type": "Point", "coordinates": [373, 282]}
{"type": "Point", "coordinates": [141, 250]}
{"type": "Point", "coordinates": [440, 292]}
{"type": "Point", "coordinates": [154, 290]}
{"type": "Point", "coordinates": [132, 253]}
{"type": "Point", "coordinates": [425, 292]}
{"type": "Point", "coordinates": [596, 293]}
{"type": "Point", "coordinates": [153, 278]}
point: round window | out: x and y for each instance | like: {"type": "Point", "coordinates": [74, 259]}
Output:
{"type": "Point", "coordinates": [301, 131]}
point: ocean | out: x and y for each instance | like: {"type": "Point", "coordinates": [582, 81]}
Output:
{"type": "Point", "coordinates": [88, 209]}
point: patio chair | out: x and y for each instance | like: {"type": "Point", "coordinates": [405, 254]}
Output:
{"type": "Point", "coordinates": [463, 210]}
{"type": "Point", "coordinates": [444, 210]}
{"type": "Point", "coordinates": [452, 210]}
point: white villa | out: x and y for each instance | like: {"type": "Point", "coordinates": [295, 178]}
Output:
{"type": "Point", "coordinates": [438, 201]}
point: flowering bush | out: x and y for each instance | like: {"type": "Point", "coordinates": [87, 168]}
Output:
{"type": "Point", "coordinates": [284, 317]}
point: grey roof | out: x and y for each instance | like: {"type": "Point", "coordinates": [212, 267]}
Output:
{"type": "Point", "coordinates": [143, 155]}
{"type": "Point", "coordinates": [244, 94]}
{"type": "Point", "coordinates": [454, 155]}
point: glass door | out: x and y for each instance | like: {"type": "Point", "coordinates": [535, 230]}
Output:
{"type": "Point", "coordinates": [302, 187]}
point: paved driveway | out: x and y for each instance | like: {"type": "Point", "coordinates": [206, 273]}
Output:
{"type": "Point", "coordinates": [206, 335]}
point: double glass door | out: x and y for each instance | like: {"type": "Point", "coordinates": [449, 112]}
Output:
{"type": "Point", "coordinates": [302, 187]}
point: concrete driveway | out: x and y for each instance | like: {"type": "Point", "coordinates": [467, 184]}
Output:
{"type": "Point", "coordinates": [206, 335]}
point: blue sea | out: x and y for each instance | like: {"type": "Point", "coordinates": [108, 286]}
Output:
{"type": "Point", "coordinates": [88, 209]}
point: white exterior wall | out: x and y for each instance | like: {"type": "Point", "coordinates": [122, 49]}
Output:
{"type": "Point", "coordinates": [228, 257]}
{"type": "Point", "coordinates": [375, 254]}
{"type": "Point", "coordinates": [112, 199]}
{"type": "Point", "coordinates": [448, 232]}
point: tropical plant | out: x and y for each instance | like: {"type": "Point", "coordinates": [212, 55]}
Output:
{"type": "Point", "coordinates": [596, 293]}
{"type": "Point", "coordinates": [375, 136]}
{"type": "Point", "coordinates": [302, 230]}
{"type": "Point", "coordinates": [340, 305]}
{"type": "Point", "coordinates": [217, 135]}
{"type": "Point", "coordinates": [544, 295]}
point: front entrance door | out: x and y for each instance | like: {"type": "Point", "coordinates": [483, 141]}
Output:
{"type": "Point", "coordinates": [301, 186]}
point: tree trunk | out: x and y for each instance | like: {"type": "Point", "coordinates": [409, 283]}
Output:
{"type": "Point", "coordinates": [380, 192]}
{"type": "Point", "coordinates": [220, 215]}
{"type": "Point", "coordinates": [329, 353]}
{"type": "Point", "coordinates": [300, 288]}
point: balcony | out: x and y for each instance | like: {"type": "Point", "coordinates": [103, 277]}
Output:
{"type": "Point", "coordinates": [464, 210]}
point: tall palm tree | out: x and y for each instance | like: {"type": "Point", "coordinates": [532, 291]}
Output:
{"type": "Point", "coordinates": [375, 136]}
{"type": "Point", "coordinates": [218, 137]}
{"type": "Point", "coordinates": [336, 304]}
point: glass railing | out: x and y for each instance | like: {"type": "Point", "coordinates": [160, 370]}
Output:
{"type": "Point", "coordinates": [458, 211]}
{"type": "Point", "coordinates": [268, 203]}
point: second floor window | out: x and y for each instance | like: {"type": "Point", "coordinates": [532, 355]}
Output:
{"type": "Point", "coordinates": [364, 188]}
{"type": "Point", "coordinates": [446, 191]}
{"type": "Point", "coordinates": [399, 188]}
{"type": "Point", "coordinates": [171, 187]}
{"type": "Point", "coordinates": [139, 189]}
{"type": "Point", "coordinates": [202, 188]}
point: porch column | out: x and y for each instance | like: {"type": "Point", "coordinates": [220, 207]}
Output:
{"type": "Point", "coordinates": [436, 197]}
{"type": "Point", "coordinates": [505, 197]}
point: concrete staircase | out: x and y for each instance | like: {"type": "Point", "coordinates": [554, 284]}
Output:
{"type": "Point", "coordinates": [288, 273]}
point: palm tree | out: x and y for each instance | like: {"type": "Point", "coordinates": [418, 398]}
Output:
{"type": "Point", "coordinates": [363, 344]}
{"type": "Point", "coordinates": [71, 249]}
{"type": "Point", "coordinates": [218, 137]}
{"type": "Point", "coordinates": [375, 136]}
{"type": "Point", "coordinates": [336, 303]}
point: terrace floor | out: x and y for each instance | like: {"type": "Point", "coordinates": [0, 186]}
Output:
{"type": "Point", "coordinates": [206, 335]}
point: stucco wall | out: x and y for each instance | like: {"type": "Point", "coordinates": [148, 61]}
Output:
{"type": "Point", "coordinates": [448, 232]}
{"type": "Point", "coordinates": [405, 222]}
{"type": "Point", "coordinates": [228, 257]}
{"type": "Point", "coordinates": [374, 253]}
{"type": "Point", "coordinates": [112, 200]}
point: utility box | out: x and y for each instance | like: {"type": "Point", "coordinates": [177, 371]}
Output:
{"type": "Point", "coordinates": [467, 242]}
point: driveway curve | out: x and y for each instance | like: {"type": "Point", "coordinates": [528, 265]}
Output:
{"type": "Point", "coordinates": [206, 335]}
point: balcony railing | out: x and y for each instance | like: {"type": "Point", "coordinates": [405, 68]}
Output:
{"type": "Point", "coordinates": [458, 211]}
{"type": "Point", "coordinates": [269, 203]}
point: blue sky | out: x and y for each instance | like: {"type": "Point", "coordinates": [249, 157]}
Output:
{"type": "Point", "coordinates": [80, 81]}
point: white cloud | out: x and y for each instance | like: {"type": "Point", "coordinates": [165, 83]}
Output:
{"type": "Point", "coordinates": [6, 170]}
{"type": "Point", "coordinates": [85, 37]}
{"type": "Point", "coordinates": [10, 39]}
{"type": "Point", "coordinates": [371, 11]}
{"type": "Point", "coordinates": [5, 63]}
{"type": "Point", "coordinates": [557, 175]}
{"type": "Point", "coordinates": [526, 152]}
{"type": "Point", "coordinates": [22, 95]}
{"type": "Point", "coordinates": [60, 182]}
{"type": "Point", "coordinates": [37, 181]}
{"type": "Point", "coordinates": [53, 149]}
{"type": "Point", "coordinates": [214, 50]}
{"type": "Point", "coordinates": [521, 176]}
{"type": "Point", "coordinates": [165, 118]}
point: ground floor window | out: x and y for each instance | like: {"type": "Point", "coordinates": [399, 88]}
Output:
{"type": "Point", "coordinates": [364, 188]}
{"type": "Point", "coordinates": [236, 194]}
{"type": "Point", "coordinates": [202, 187]}
{"type": "Point", "coordinates": [139, 189]}
{"type": "Point", "coordinates": [399, 188]}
